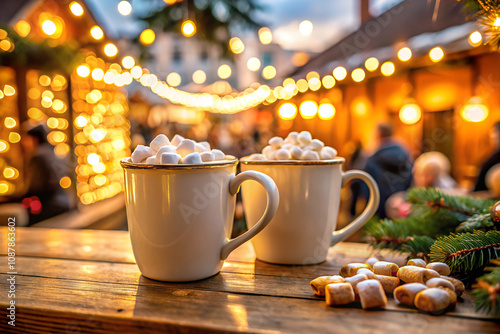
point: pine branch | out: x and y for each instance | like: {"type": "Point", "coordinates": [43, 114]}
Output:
{"type": "Point", "coordinates": [478, 222]}
{"type": "Point", "coordinates": [418, 246]}
{"type": "Point", "coordinates": [467, 253]}
{"type": "Point", "coordinates": [487, 293]}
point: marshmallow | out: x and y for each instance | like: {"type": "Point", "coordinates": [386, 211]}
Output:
{"type": "Point", "coordinates": [160, 141]}
{"type": "Point", "coordinates": [152, 160]}
{"type": "Point", "coordinates": [309, 155]}
{"type": "Point", "coordinates": [316, 145]}
{"type": "Point", "coordinates": [186, 147]}
{"type": "Point", "coordinates": [207, 156]}
{"type": "Point", "coordinates": [165, 149]}
{"type": "Point", "coordinates": [201, 148]}
{"type": "Point", "coordinates": [276, 142]}
{"type": "Point", "coordinates": [140, 153]}
{"type": "Point", "coordinates": [177, 140]}
{"type": "Point", "coordinates": [327, 153]}
{"type": "Point", "coordinates": [169, 158]}
{"type": "Point", "coordinates": [283, 154]}
{"type": "Point", "coordinates": [218, 154]}
{"type": "Point", "coordinates": [257, 157]}
{"type": "Point", "coordinates": [296, 152]}
{"type": "Point", "coordinates": [269, 152]}
{"type": "Point", "coordinates": [304, 138]}
{"type": "Point", "coordinates": [292, 138]}
{"type": "Point", "coordinates": [206, 145]}
{"type": "Point", "coordinates": [192, 159]}
{"type": "Point", "coordinates": [287, 146]}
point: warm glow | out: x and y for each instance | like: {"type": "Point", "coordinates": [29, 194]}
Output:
{"type": "Point", "coordinates": [224, 71]}
{"type": "Point", "coordinates": [358, 75]}
{"type": "Point", "coordinates": [96, 32]}
{"type": "Point", "coordinates": [136, 72]}
{"type": "Point", "coordinates": [287, 111]}
{"type": "Point", "coordinates": [10, 173]}
{"type": "Point", "coordinates": [124, 8]}
{"type": "Point", "coordinates": [236, 45]}
{"type": "Point", "coordinates": [410, 113]}
{"type": "Point", "coordinates": [497, 22]}
{"type": "Point", "coordinates": [4, 187]}
{"type": "Point", "coordinates": [436, 54]}
{"type": "Point", "coordinates": [199, 77]}
{"type": "Point", "coordinates": [147, 37]}
{"type": "Point", "coordinates": [387, 68]}
{"type": "Point", "coordinates": [3, 146]}
{"type": "Point", "coordinates": [174, 79]}
{"type": "Point", "coordinates": [65, 182]}
{"type": "Point", "coordinates": [475, 38]}
{"type": "Point", "coordinates": [9, 122]}
{"type": "Point", "coordinates": [269, 72]}
{"type": "Point", "coordinates": [80, 121]}
{"type": "Point", "coordinates": [328, 81]}
{"type": "Point", "coordinates": [93, 159]}
{"type": "Point", "coordinates": [49, 27]}
{"type": "Point", "coordinates": [128, 62]}
{"type": "Point", "coordinates": [302, 85]}
{"type": "Point", "coordinates": [83, 70]}
{"type": "Point", "coordinates": [14, 137]}
{"type": "Point", "coordinates": [23, 28]}
{"type": "Point", "coordinates": [475, 111]}
{"type": "Point", "coordinates": [76, 8]}
{"type": "Point", "coordinates": [314, 84]}
{"type": "Point", "coordinates": [339, 73]}
{"type": "Point", "coordinates": [253, 64]}
{"type": "Point", "coordinates": [110, 50]}
{"type": "Point", "coordinates": [265, 35]}
{"type": "Point", "coordinates": [188, 28]}
{"type": "Point", "coordinates": [97, 74]}
{"type": "Point", "coordinates": [404, 54]}
{"type": "Point", "coordinates": [8, 90]}
{"type": "Point", "coordinates": [371, 64]}
{"type": "Point", "coordinates": [326, 111]}
{"type": "Point", "coordinates": [308, 109]}
{"type": "Point", "coordinates": [306, 27]}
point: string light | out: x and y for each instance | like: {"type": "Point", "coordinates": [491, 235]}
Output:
{"type": "Point", "coordinates": [110, 50]}
{"type": "Point", "coordinates": [23, 28]}
{"type": "Point", "coordinates": [339, 73]}
{"type": "Point", "coordinates": [371, 64]}
{"type": "Point", "coordinates": [188, 28]}
{"type": "Point", "coordinates": [308, 109]}
{"type": "Point", "coordinates": [9, 122]}
{"type": "Point", "coordinates": [49, 27]}
{"type": "Point", "coordinates": [358, 75]}
{"type": "Point", "coordinates": [253, 64]}
{"type": "Point", "coordinates": [436, 54]}
{"type": "Point", "coordinates": [124, 8]}
{"type": "Point", "coordinates": [404, 54]}
{"type": "Point", "coordinates": [265, 35]}
{"type": "Point", "coordinates": [76, 8]}
{"type": "Point", "coordinates": [475, 38]}
{"type": "Point", "coordinates": [83, 70]}
{"type": "Point", "coordinates": [269, 72]}
{"type": "Point", "coordinates": [199, 77]}
{"type": "Point", "coordinates": [387, 68]}
{"type": "Point", "coordinates": [287, 111]}
{"type": "Point", "coordinates": [475, 111]}
{"type": "Point", "coordinates": [236, 45]}
{"type": "Point", "coordinates": [174, 79]}
{"type": "Point", "coordinates": [306, 27]}
{"type": "Point", "coordinates": [96, 32]}
{"type": "Point", "coordinates": [326, 111]}
{"type": "Point", "coordinates": [128, 62]}
{"type": "Point", "coordinates": [328, 81]}
{"type": "Point", "coordinates": [410, 113]}
{"type": "Point", "coordinates": [224, 71]}
{"type": "Point", "coordinates": [147, 37]}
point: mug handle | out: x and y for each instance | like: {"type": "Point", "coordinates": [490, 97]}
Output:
{"type": "Point", "coordinates": [367, 213]}
{"type": "Point", "coordinates": [272, 205]}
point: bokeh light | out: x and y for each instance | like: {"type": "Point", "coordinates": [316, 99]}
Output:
{"type": "Point", "coordinates": [188, 28]}
{"type": "Point", "coordinates": [387, 68]}
{"type": "Point", "coordinates": [436, 54]}
{"type": "Point", "coordinates": [287, 111]}
{"type": "Point", "coordinates": [308, 109]}
{"type": "Point", "coordinates": [224, 71]}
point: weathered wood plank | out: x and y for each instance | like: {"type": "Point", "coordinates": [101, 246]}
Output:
{"type": "Point", "coordinates": [133, 308]}
{"type": "Point", "coordinates": [241, 281]}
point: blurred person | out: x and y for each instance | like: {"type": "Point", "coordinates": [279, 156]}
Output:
{"type": "Point", "coordinates": [493, 180]}
{"type": "Point", "coordinates": [492, 160]}
{"type": "Point", "coordinates": [390, 166]}
{"type": "Point", "coordinates": [44, 171]}
{"type": "Point", "coordinates": [432, 169]}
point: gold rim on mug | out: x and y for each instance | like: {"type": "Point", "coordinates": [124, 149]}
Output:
{"type": "Point", "coordinates": [230, 161]}
{"type": "Point", "coordinates": [334, 161]}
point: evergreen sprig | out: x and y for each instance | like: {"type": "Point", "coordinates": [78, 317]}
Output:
{"type": "Point", "coordinates": [478, 222]}
{"type": "Point", "coordinates": [486, 293]}
{"type": "Point", "coordinates": [467, 253]}
{"type": "Point", "coordinates": [418, 246]}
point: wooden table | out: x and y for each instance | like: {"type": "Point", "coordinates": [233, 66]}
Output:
{"type": "Point", "coordinates": [83, 281]}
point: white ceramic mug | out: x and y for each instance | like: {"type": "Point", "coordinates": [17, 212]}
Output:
{"type": "Point", "coordinates": [180, 217]}
{"type": "Point", "coordinates": [303, 228]}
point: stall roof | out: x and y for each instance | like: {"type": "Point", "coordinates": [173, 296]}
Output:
{"type": "Point", "coordinates": [399, 24]}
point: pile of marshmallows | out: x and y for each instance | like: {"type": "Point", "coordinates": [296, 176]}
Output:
{"type": "Point", "coordinates": [426, 286]}
{"type": "Point", "coordinates": [178, 151]}
{"type": "Point", "coordinates": [296, 146]}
